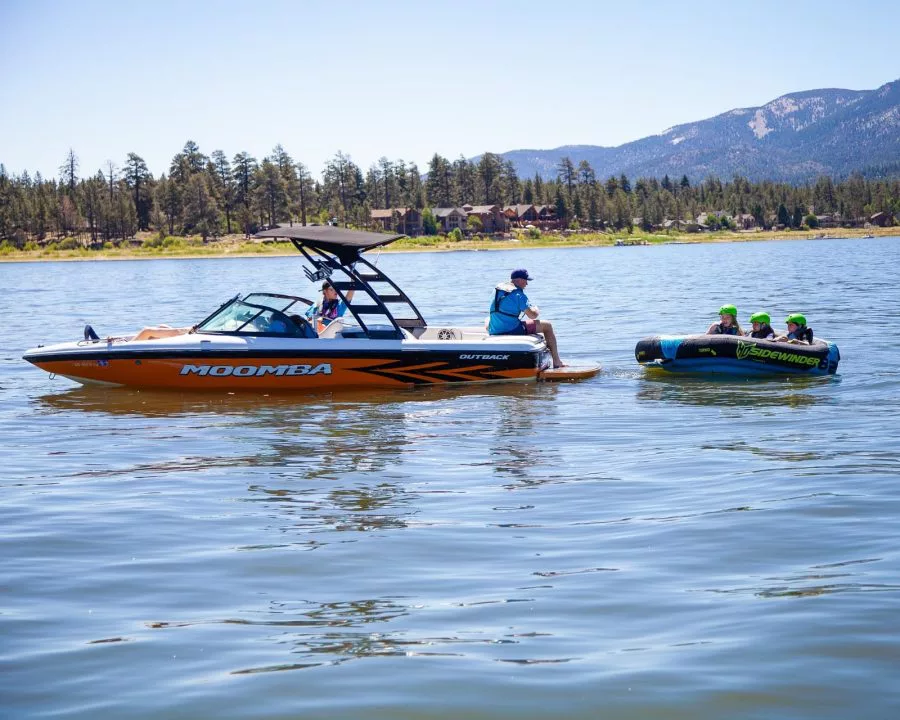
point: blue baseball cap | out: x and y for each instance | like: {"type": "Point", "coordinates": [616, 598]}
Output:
{"type": "Point", "coordinates": [520, 273]}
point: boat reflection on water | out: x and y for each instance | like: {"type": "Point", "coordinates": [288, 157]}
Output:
{"type": "Point", "coordinates": [658, 386]}
{"type": "Point", "coordinates": [517, 455]}
{"type": "Point", "coordinates": [323, 461]}
{"type": "Point", "coordinates": [161, 403]}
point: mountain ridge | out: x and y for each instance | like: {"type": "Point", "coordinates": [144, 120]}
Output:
{"type": "Point", "coordinates": [794, 138]}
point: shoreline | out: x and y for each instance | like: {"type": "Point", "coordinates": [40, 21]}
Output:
{"type": "Point", "coordinates": [240, 248]}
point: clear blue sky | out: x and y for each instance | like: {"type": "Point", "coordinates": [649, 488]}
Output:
{"type": "Point", "coordinates": [406, 79]}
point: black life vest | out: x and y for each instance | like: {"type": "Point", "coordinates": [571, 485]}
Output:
{"type": "Point", "coordinates": [763, 332]}
{"type": "Point", "coordinates": [802, 333]}
{"type": "Point", "coordinates": [722, 330]}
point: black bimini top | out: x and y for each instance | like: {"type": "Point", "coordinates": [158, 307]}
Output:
{"type": "Point", "coordinates": [346, 244]}
{"type": "Point", "coordinates": [336, 253]}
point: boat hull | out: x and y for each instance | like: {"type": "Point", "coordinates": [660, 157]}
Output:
{"type": "Point", "coordinates": [736, 356]}
{"type": "Point", "coordinates": [285, 369]}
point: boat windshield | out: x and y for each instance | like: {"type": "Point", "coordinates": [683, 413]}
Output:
{"type": "Point", "coordinates": [260, 314]}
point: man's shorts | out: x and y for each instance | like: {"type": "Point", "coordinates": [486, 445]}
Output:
{"type": "Point", "coordinates": [526, 327]}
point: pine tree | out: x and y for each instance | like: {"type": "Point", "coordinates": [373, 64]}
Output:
{"type": "Point", "coordinates": [562, 207]}
{"type": "Point", "coordinates": [438, 186]}
{"type": "Point", "coordinates": [68, 172]}
{"type": "Point", "coordinates": [201, 214]}
{"type": "Point", "coordinates": [138, 178]}
{"type": "Point", "coordinates": [539, 197]}
{"type": "Point", "coordinates": [306, 191]}
{"type": "Point", "coordinates": [528, 192]}
{"type": "Point", "coordinates": [784, 217]}
{"type": "Point", "coordinates": [611, 186]}
{"type": "Point", "coordinates": [565, 173]}
{"type": "Point", "coordinates": [489, 171]}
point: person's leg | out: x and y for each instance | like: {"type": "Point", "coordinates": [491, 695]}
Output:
{"type": "Point", "coordinates": [546, 329]}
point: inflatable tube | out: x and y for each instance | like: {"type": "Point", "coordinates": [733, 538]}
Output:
{"type": "Point", "coordinates": [733, 355]}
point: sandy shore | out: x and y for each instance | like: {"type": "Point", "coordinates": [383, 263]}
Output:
{"type": "Point", "coordinates": [239, 247]}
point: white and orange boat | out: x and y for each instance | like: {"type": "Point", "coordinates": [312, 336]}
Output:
{"type": "Point", "coordinates": [262, 342]}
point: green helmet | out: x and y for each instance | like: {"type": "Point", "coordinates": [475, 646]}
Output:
{"type": "Point", "coordinates": [796, 318]}
{"type": "Point", "coordinates": [760, 317]}
{"type": "Point", "coordinates": [728, 310]}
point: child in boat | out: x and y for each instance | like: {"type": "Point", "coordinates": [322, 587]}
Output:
{"type": "Point", "coordinates": [728, 324]}
{"type": "Point", "coordinates": [329, 308]}
{"type": "Point", "coordinates": [762, 328]}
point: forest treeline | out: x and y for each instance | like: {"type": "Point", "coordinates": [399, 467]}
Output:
{"type": "Point", "coordinates": [209, 195]}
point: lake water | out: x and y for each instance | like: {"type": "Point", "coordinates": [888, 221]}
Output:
{"type": "Point", "coordinates": [631, 546]}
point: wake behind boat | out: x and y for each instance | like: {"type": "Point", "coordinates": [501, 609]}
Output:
{"type": "Point", "coordinates": [262, 341]}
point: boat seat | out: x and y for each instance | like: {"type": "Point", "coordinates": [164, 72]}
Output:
{"type": "Point", "coordinates": [332, 329]}
{"type": "Point", "coordinates": [376, 332]}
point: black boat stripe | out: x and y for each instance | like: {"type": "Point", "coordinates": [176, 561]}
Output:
{"type": "Point", "coordinates": [516, 358]}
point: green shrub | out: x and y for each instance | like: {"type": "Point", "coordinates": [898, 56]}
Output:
{"type": "Point", "coordinates": [456, 235]}
{"type": "Point", "coordinates": [429, 222]}
{"type": "Point", "coordinates": [533, 233]}
{"type": "Point", "coordinates": [68, 243]}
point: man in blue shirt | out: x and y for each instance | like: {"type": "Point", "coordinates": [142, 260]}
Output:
{"type": "Point", "coordinates": [509, 303]}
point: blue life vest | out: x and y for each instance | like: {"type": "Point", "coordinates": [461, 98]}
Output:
{"type": "Point", "coordinates": [509, 302]}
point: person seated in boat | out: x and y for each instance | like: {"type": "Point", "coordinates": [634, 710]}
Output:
{"type": "Point", "coordinates": [329, 308]}
{"type": "Point", "coordinates": [762, 328]}
{"type": "Point", "coordinates": [509, 303]}
{"type": "Point", "coordinates": [728, 324]}
{"type": "Point", "coordinates": [797, 331]}
{"type": "Point", "coordinates": [292, 325]}
{"type": "Point", "coordinates": [305, 327]}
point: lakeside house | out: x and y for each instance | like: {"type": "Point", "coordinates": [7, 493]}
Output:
{"type": "Point", "coordinates": [546, 215]}
{"type": "Point", "coordinates": [520, 215]}
{"type": "Point", "coordinates": [745, 221]}
{"type": "Point", "coordinates": [450, 218]}
{"type": "Point", "coordinates": [491, 217]}
{"type": "Point", "coordinates": [407, 221]}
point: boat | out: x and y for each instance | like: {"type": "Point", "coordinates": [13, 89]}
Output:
{"type": "Point", "coordinates": [736, 355]}
{"type": "Point", "coordinates": [262, 341]}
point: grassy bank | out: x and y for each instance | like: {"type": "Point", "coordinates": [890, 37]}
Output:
{"type": "Point", "coordinates": [238, 246]}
